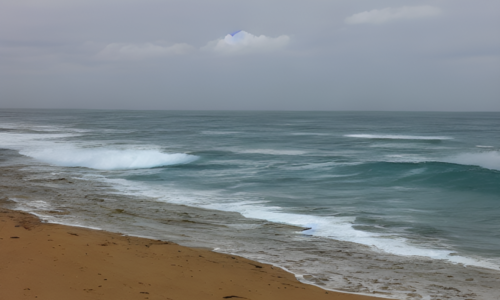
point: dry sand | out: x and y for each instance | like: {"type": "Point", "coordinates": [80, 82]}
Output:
{"type": "Point", "coordinates": [50, 261]}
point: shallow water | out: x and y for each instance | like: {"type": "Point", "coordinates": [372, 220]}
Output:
{"type": "Point", "coordinates": [421, 184]}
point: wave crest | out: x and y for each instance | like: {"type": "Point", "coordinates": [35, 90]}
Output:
{"type": "Point", "coordinates": [398, 137]}
{"type": "Point", "coordinates": [109, 159]}
{"type": "Point", "coordinates": [488, 160]}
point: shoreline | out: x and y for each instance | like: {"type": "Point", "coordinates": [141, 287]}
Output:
{"type": "Point", "coordinates": [80, 263]}
{"type": "Point", "coordinates": [336, 266]}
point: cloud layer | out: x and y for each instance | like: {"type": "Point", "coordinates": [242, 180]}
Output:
{"type": "Point", "coordinates": [116, 51]}
{"type": "Point", "coordinates": [123, 54]}
{"type": "Point", "coordinates": [379, 16]}
{"type": "Point", "coordinates": [243, 42]}
{"type": "Point", "coordinates": [240, 42]}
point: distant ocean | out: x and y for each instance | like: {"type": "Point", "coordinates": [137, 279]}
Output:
{"type": "Point", "coordinates": [421, 184]}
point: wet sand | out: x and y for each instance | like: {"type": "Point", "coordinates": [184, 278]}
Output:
{"type": "Point", "coordinates": [50, 261]}
{"type": "Point", "coordinates": [60, 197]}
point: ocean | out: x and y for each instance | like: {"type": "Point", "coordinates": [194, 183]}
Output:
{"type": "Point", "coordinates": [360, 202]}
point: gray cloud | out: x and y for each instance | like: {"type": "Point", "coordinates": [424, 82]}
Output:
{"type": "Point", "coordinates": [148, 54]}
{"type": "Point", "coordinates": [244, 43]}
{"type": "Point", "coordinates": [117, 51]}
{"type": "Point", "coordinates": [389, 14]}
{"type": "Point", "coordinates": [237, 44]}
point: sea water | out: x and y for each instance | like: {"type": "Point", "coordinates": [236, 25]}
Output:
{"type": "Point", "coordinates": [411, 184]}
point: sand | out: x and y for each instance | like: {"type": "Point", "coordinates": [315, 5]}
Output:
{"type": "Point", "coordinates": [50, 261]}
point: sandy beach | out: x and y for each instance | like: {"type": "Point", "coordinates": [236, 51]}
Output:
{"type": "Point", "coordinates": [50, 261]}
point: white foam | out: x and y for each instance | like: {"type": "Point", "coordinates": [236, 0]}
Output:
{"type": "Point", "coordinates": [405, 158]}
{"type": "Point", "coordinates": [219, 132]}
{"type": "Point", "coordinates": [481, 146]}
{"type": "Point", "coordinates": [398, 137]}
{"type": "Point", "coordinates": [19, 141]}
{"type": "Point", "coordinates": [108, 159]}
{"type": "Point", "coordinates": [408, 145]}
{"type": "Point", "coordinates": [33, 204]}
{"type": "Point", "coordinates": [273, 152]}
{"type": "Point", "coordinates": [338, 228]}
{"type": "Point", "coordinates": [49, 148]}
{"type": "Point", "coordinates": [309, 133]}
{"type": "Point", "coordinates": [41, 128]}
{"type": "Point", "coordinates": [488, 160]}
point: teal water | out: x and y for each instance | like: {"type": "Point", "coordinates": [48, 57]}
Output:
{"type": "Point", "coordinates": [421, 183]}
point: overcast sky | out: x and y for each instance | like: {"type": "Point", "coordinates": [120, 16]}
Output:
{"type": "Point", "coordinates": [289, 55]}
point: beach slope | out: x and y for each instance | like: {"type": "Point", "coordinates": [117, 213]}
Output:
{"type": "Point", "coordinates": [49, 261]}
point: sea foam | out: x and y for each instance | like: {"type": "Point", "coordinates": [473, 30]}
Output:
{"type": "Point", "coordinates": [488, 160]}
{"type": "Point", "coordinates": [398, 137]}
{"type": "Point", "coordinates": [48, 148]}
{"type": "Point", "coordinates": [332, 227]}
{"type": "Point", "coordinates": [273, 152]}
{"type": "Point", "coordinates": [108, 159]}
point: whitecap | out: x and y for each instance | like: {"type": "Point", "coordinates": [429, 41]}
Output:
{"type": "Point", "coordinates": [488, 160]}
{"type": "Point", "coordinates": [309, 133]}
{"type": "Point", "coordinates": [273, 152]}
{"type": "Point", "coordinates": [481, 146]}
{"type": "Point", "coordinates": [108, 159]}
{"type": "Point", "coordinates": [404, 158]}
{"type": "Point", "coordinates": [333, 227]}
{"type": "Point", "coordinates": [398, 137]}
{"type": "Point", "coordinates": [50, 149]}
{"type": "Point", "coordinates": [219, 132]}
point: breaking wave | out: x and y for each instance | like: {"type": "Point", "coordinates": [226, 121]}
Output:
{"type": "Point", "coordinates": [488, 160]}
{"type": "Point", "coordinates": [109, 159]}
